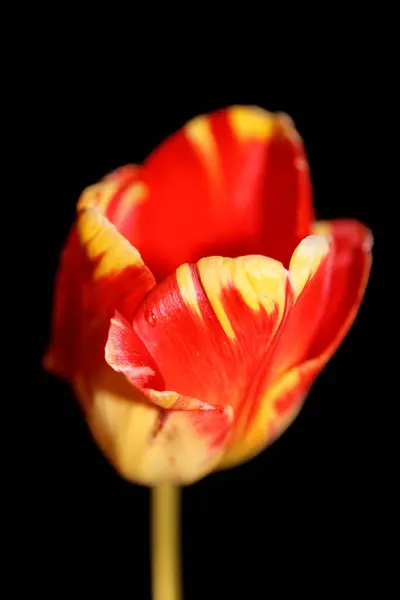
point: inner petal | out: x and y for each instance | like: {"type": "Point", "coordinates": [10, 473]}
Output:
{"type": "Point", "coordinates": [231, 183]}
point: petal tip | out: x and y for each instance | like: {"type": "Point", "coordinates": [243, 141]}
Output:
{"type": "Point", "coordinates": [309, 255]}
{"type": "Point", "coordinates": [310, 252]}
{"type": "Point", "coordinates": [356, 233]}
{"type": "Point", "coordinates": [369, 241]}
{"type": "Point", "coordinates": [250, 122]}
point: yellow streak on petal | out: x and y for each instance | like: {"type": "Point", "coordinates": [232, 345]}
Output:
{"type": "Point", "coordinates": [187, 289]}
{"type": "Point", "coordinates": [215, 275]}
{"type": "Point", "coordinates": [103, 241]}
{"type": "Point", "coordinates": [306, 260]}
{"type": "Point", "coordinates": [123, 423]}
{"type": "Point", "coordinates": [199, 132]}
{"type": "Point", "coordinates": [252, 441]}
{"type": "Point", "coordinates": [88, 196]}
{"type": "Point", "coordinates": [261, 281]}
{"type": "Point", "coordinates": [321, 228]}
{"type": "Point", "coordinates": [267, 425]}
{"type": "Point", "coordinates": [251, 123]}
{"type": "Point", "coordinates": [134, 195]}
{"type": "Point", "coordinates": [200, 135]}
{"type": "Point", "coordinates": [99, 195]}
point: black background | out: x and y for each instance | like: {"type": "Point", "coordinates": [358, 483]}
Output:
{"type": "Point", "coordinates": [301, 514]}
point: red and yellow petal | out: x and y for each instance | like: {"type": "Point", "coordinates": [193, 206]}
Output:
{"type": "Point", "coordinates": [352, 245]}
{"type": "Point", "coordinates": [99, 272]}
{"type": "Point", "coordinates": [150, 435]}
{"type": "Point", "coordinates": [328, 289]}
{"type": "Point", "coordinates": [116, 196]}
{"type": "Point", "coordinates": [232, 182]}
{"type": "Point", "coordinates": [174, 437]}
{"type": "Point", "coordinates": [241, 333]}
{"type": "Point", "coordinates": [148, 447]}
{"type": "Point", "coordinates": [209, 329]}
{"type": "Point", "coordinates": [126, 353]}
{"type": "Point", "coordinates": [117, 277]}
{"type": "Point", "coordinates": [309, 270]}
{"type": "Point", "coordinates": [209, 318]}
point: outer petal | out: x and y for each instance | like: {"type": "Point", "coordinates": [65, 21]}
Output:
{"type": "Point", "coordinates": [212, 324]}
{"type": "Point", "coordinates": [127, 354]}
{"type": "Point", "coordinates": [147, 450]}
{"type": "Point", "coordinates": [309, 278]}
{"type": "Point", "coordinates": [210, 329]}
{"type": "Point", "coordinates": [243, 333]}
{"type": "Point", "coordinates": [132, 425]}
{"type": "Point", "coordinates": [352, 245]}
{"type": "Point", "coordinates": [149, 433]}
{"type": "Point", "coordinates": [99, 272]}
{"type": "Point", "coordinates": [118, 196]}
{"type": "Point", "coordinates": [233, 182]}
{"type": "Point", "coordinates": [328, 290]}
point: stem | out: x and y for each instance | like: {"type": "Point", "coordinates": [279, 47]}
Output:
{"type": "Point", "coordinates": [165, 516]}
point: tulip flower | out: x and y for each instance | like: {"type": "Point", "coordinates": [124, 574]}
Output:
{"type": "Point", "coordinates": [198, 298]}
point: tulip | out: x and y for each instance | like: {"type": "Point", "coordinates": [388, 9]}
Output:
{"type": "Point", "coordinates": [198, 298]}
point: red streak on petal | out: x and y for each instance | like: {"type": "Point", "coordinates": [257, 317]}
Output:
{"type": "Point", "coordinates": [161, 422]}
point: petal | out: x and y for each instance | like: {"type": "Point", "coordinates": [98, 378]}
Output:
{"type": "Point", "coordinates": [327, 304]}
{"type": "Point", "coordinates": [147, 448]}
{"type": "Point", "coordinates": [116, 274]}
{"type": "Point", "coordinates": [309, 268]}
{"type": "Point", "coordinates": [126, 353]}
{"type": "Point", "coordinates": [59, 357]}
{"type": "Point", "coordinates": [145, 442]}
{"type": "Point", "coordinates": [280, 405]}
{"type": "Point", "coordinates": [116, 195]}
{"type": "Point", "coordinates": [232, 182]}
{"type": "Point", "coordinates": [150, 435]}
{"type": "Point", "coordinates": [310, 277]}
{"type": "Point", "coordinates": [99, 272]}
{"type": "Point", "coordinates": [209, 329]}
{"type": "Point", "coordinates": [328, 289]}
{"type": "Point", "coordinates": [352, 245]}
